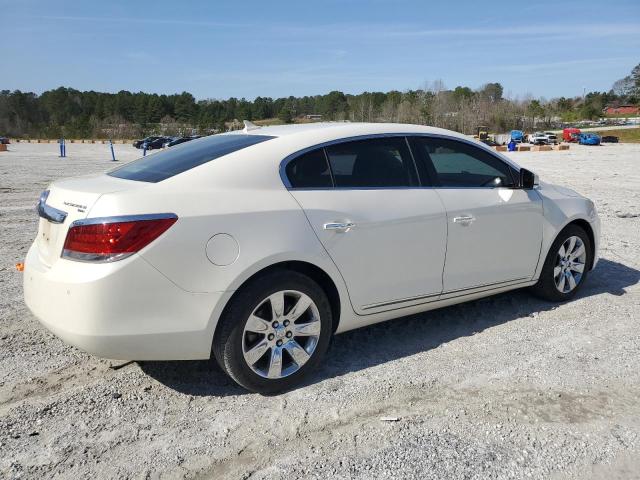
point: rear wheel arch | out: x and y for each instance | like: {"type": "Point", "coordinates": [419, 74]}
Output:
{"type": "Point", "coordinates": [317, 274]}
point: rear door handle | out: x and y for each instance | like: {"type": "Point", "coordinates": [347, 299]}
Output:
{"type": "Point", "coordinates": [339, 227]}
{"type": "Point", "coordinates": [464, 220]}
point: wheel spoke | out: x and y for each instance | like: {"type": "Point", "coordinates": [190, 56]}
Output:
{"type": "Point", "coordinates": [577, 267]}
{"type": "Point", "coordinates": [556, 271]}
{"type": "Point", "coordinates": [277, 304]}
{"type": "Point", "coordinates": [572, 281]}
{"type": "Point", "coordinates": [578, 251]}
{"type": "Point", "coordinates": [299, 354]}
{"type": "Point", "coordinates": [257, 325]}
{"type": "Point", "coordinates": [572, 245]}
{"type": "Point", "coordinates": [562, 252]}
{"type": "Point", "coordinates": [560, 283]}
{"type": "Point", "coordinates": [256, 353]}
{"type": "Point", "coordinates": [311, 329]}
{"type": "Point", "coordinates": [301, 306]}
{"type": "Point", "coordinates": [275, 363]}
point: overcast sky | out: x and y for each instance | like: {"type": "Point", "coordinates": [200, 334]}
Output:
{"type": "Point", "coordinates": [217, 49]}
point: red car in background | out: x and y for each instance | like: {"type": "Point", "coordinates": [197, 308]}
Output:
{"type": "Point", "coordinates": [570, 134]}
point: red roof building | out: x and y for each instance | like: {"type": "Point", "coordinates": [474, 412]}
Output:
{"type": "Point", "coordinates": [622, 110]}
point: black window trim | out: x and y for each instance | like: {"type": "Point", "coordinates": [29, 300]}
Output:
{"type": "Point", "coordinates": [422, 182]}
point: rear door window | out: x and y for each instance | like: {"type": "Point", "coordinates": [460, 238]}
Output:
{"type": "Point", "coordinates": [373, 163]}
{"type": "Point", "coordinates": [180, 158]}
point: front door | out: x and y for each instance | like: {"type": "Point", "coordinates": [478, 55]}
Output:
{"type": "Point", "coordinates": [494, 228]}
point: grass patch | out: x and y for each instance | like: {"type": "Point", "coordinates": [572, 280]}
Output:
{"type": "Point", "coordinates": [626, 135]}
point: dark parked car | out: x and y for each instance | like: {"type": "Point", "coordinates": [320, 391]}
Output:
{"type": "Point", "coordinates": [179, 140]}
{"type": "Point", "coordinates": [158, 143]}
{"type": "Point", "coordinates": [139, 143]}
{"type": "Point", "coordinates": [4, 140]}
{"type": "Point", "coordinates": [609, 139]}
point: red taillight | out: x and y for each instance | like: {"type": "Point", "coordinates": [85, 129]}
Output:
{"type": "Point", "coordinates": [113, 239]}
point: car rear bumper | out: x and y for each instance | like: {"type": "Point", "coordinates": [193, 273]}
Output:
{"type": "Point", "coordinates": [121, 310]}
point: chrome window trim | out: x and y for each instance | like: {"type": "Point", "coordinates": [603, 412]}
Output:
{"type": "Point", "coordinates": [48, 212]}
{"type": "Point", "coordinates": [284, 162]}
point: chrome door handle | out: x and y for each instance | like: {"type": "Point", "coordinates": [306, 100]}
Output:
{"type": "Point", "coordinates": [339, 227]}
{"type": "Point", "coordinates": [464, 220]}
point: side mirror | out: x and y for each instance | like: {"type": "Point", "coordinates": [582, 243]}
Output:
{"type": "Point", "coordinates": [528, 179]}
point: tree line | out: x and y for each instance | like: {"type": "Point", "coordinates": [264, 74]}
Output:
{"type": "Point", "coordinates": [88, 114]}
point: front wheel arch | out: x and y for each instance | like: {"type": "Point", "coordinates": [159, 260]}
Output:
{"type": "Point", "coordinates": [544, 287]}
{"type": "Point", "coordinates": [586, 226]}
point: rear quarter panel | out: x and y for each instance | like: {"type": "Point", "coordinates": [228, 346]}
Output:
{"type": "Point", "coordinates": [267, 223]}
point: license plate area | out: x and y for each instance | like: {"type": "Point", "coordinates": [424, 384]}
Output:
{"type": "Point", "coordinates": [47, 241]}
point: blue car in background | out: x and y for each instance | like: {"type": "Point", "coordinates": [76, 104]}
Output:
{"type": "Point", "coordinates": [589, 139]}
{"type": "Point", "coordinates": [517, 136]}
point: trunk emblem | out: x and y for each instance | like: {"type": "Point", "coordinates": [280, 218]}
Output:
{"type": "Point", "coordinates": [81, 208]}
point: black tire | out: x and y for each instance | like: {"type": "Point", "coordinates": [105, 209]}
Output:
{"type": "Point", "coordinates": [228, 342]}
{"type": "Point", "coordinates": [546, 287]}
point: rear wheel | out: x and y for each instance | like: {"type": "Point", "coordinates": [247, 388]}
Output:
{"type": "Point", "coordinates": [275, 330]}
{"type": "Point", "coordinates": [566, 266]}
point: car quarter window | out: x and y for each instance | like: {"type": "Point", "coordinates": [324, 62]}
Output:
{"type": "Point", "coordinates": [372, 163]}
{"type": "Point", "coordinates": [309, 170]}
{"type": "Point", "coordinates": [173, 161]}
{"type": "Point", "coordinates": [452, 163]}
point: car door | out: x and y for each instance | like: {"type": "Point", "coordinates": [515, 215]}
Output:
{"type": "Point", "coordinates": [386, 235]}
{"type": "Point", "coordinates": [494, 227]}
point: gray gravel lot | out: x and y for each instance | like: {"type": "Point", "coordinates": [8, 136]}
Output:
{"type": "Point", "coordinates": [504, 387]}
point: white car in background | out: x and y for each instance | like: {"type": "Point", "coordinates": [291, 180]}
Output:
{"type": "Point", "coordinates": [552, 138]}
{"type": "Point", "coordinates": [257, 246]}
{"type": "Point", "coordinates": [538, 138]}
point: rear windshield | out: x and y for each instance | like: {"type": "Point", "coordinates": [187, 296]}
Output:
{"type": "Point", "coordinates": [180, 158]}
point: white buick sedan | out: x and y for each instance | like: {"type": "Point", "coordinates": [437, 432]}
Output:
{"type": "Point", "coordinates": [257, 246]}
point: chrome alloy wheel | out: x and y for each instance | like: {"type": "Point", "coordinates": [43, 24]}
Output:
{"type": "Point", "coordinates": [570, 264]}
{"type": "Point", "coordinates": [281, 334]}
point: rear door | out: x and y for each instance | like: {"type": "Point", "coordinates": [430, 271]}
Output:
{"type": "Point", "coordinates": [494, 228]}
{"type": "Point", "coordinates": [386, 235]}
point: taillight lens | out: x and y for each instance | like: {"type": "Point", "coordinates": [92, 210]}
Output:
{"type": "Point", "coordinates": [115, 238]}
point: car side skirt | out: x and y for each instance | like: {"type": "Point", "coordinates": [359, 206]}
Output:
{"type": "Point", "coordinates": [444, 300]}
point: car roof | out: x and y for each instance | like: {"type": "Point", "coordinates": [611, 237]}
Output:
{"type": "Point", "coordinates": [283, 141]}
{"type": "Point", "coordinates": [339, 130]}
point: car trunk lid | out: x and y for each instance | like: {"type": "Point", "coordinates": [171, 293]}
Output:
{"type": "Point", "coordinates": [70, 200]}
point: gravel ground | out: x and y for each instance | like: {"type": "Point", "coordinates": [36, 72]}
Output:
{"type": "Point", "coordinates": [504, 387]}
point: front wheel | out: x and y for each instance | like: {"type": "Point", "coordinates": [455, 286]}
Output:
{"type": "Point", "coordinates": [275, 330]}
{"type": "Point", "coordinates": [566, 266]}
